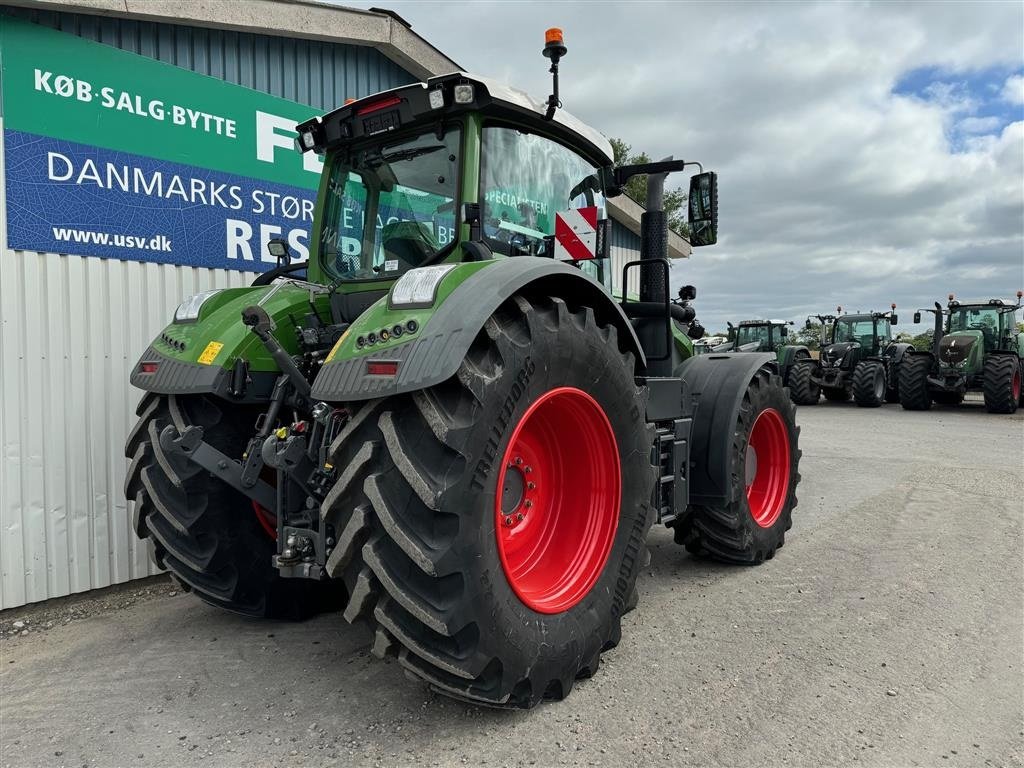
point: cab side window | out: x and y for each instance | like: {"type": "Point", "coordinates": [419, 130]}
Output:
{"type": "Point", "coordinates": [525, 179]}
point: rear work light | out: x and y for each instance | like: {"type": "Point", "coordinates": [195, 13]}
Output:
{"type": "Point", "coordinates": [148, 367]}
{"type": "Point", "coordinates": [381, 367]}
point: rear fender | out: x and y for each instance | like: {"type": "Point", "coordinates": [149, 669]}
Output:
{"type": "Point", "coordinates": [789, 355]}
{"type": "Point", "coordinates": [447, 325]}
{"type": "Point", "coordinates": [200, 356]}
{"type": "Point", "coordinates": [716, 385]}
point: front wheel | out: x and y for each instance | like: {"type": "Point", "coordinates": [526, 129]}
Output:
{"type": "Point", "coordinates": [869, 384]}
{"type": "Point", "coordinates": [802, 389]}
{"type": "Point", "coordinates": [492, 527]}
{"type": "Point", "coordinates": [1001, 383]}
{"type": "Point", "coordinates": [914, 392]}
{"type": "Point", "coordinates": [765, 459]}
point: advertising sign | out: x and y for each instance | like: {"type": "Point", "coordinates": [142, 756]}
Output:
{"type": "Point", "coordinates": [115, 155]}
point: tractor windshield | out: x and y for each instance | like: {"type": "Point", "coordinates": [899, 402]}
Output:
{"type": "Point", "coordinates": [748, 334]}
{"type": "Point", "coordinates": [984, 319]}
{"type": "Point", "coordinates": [862, 331]}
{"type": "Point", "coordinates": [390, 206]}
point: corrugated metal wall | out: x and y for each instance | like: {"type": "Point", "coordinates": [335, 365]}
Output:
{"type": "Point", "coordinates": [70, 328]}
{"type": "Point", "coordinates": [625, 247]}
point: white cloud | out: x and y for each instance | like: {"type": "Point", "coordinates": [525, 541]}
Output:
{"type": "Point", "coordinates": [979, 124]}
{"type": "Point", "coordinates": [1013, 89]}
{"type": "Point", "coordinates": [833, 188]}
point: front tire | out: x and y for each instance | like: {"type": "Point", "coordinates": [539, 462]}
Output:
{"type": "Point", "coordinates": [765, 459]}
{"type": "Point", "coordinates": [802, 389]}
{"type": "Point", "coordinates": [869, 384]}
{"type": "Point", "coordinates": [493, 526]}
{"type": "Point", "coordinates": [208, 535]}
{"type": "Point", "coordinates": [1001, 383]}
{"type": "Point", "coordinates": [914, 392]}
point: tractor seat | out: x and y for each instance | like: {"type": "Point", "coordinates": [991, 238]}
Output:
{"type": "Point", "coordinates": [411, 242]}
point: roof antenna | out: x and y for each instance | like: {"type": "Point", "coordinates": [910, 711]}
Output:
{"type": "Point", "coordinates": [554, 49]}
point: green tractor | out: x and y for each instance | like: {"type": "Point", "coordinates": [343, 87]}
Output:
{"type": "Point", "coordinates": [766, 336]}
{"type": "Point", "coordinates": [440, 424]}
{"type": "Point", "coordinates": [858, 358]}
{"type": "Point", "coordinates": [974, 347]}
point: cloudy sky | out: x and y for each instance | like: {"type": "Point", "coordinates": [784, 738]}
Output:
{"type": "Point", "coordinates": [866, 153]}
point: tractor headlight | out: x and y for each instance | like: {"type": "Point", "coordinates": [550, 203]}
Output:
{"type": "Point", "coordinates": [188, 310]}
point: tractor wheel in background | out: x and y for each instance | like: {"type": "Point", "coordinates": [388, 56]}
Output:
{"type": "Point", "coordinates": [765, 460]}
{"type": "Point", "coordinates": [948, 398]}
{"type": "Point", "coordinates": [836, 394]}
{"type": "Point", "coordinates": [802, 390]}
{"type": "Point", "coordinates": [1001, 383]}
{"type": "Point", "coordinates": [914, 392]}
{"type": "Point", "coordinates": [892, 383]}
{"type": "Point", "coordinates": [491, 528]}
{"type": "Point", "coordinates": [869, 384]}
{"type": "Point", "coordinates": [211, 538]}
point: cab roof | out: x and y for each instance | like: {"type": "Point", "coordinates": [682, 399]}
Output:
{"type": "Point", "coordinates": [412, 104]}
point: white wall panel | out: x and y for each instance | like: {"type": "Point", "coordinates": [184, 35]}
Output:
{"type": "Point", "coordinates": [71, 327]}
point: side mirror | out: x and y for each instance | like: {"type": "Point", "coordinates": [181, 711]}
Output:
{"type": "Point", "coordinates": [894, 319]}
{"type": "Point", "coordinates": [278, 248]}
{"type": "Point", "coordinates": [807, 324]}
{"type": "Point", "coordinates": [917, 317]}
{"type": "Point", "coordinates": [703, 208]}
{"type": "Point", "coordinates": [687, 293]}
{"type": "Point", "coordinates": [783, 331]}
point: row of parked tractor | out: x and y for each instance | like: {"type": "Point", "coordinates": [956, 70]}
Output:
{"type": "Point", "coordinates": [976, 347]}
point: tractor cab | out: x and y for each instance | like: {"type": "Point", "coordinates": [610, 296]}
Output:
{"type": "Point", "coordinates": [854, 337]}
{"type": "Point", "coordinates": [759, 335]}
{"type": "Point", "coordinates": [461, 169]}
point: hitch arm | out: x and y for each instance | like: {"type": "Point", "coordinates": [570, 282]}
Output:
{"type": "Point", "coordinates": [257, 318]}
{"type": "Point", "coordinates": [189, 444]}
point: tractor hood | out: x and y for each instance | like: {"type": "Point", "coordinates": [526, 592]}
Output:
{"type": "Point", "coordinates": [833, 354]}
{"type": "Point", "coordinates": [961, 349]}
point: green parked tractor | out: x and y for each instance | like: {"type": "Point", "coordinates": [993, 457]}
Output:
{"type": "Point", "coordinates": [975, 347]}
{"type": "Point", "coordinates": [441, 425]}
{"type": "Point", "coordinates": [858, 358]}
{"type": "Point", "coordinates": [766, 336]}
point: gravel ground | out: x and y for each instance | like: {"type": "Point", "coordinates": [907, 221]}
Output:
{"type": "Point", "coordinates": [889, 632]}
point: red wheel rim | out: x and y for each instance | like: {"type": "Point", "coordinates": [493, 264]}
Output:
{"type": "Point", "coordinates": [557, 501]}
{"type": "Point", "coordinates": [267, 520]}
{"type": "Point", "coordinates": [1015, 386]}
{"type": "Point", "coordinates": [767, 467]}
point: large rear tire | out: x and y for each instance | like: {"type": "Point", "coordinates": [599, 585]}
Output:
{"type": "Point", "coordinates": [1001, 382]}
{"type": "Point", "coordinates": [802, 390]}
{"type": "Point", "coordinates": [208, 535]}
{"type": "Point", "coordinates": [914, 392]}
{"type": "Point", "coordinates": [869, 384]}
{"type": "Point", "coordinates": [491, 528]}
{"type": "Point", "coordinates": [765, 460]}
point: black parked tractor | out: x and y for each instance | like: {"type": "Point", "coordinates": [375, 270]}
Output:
{"type": "Point", "coordinates": [858, 358]}
{"type": "Point", "coordinates": [766, 336]}
{"type": "Point", "coordinates": [974, 347]}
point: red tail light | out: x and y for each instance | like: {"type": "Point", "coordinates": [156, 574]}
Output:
{"type": "Point", "coordinates": [379, 105]}
{"type": "Point", "coordinates": [381, 367]}
{"type": "Point", "coordinates": [148, 367]}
